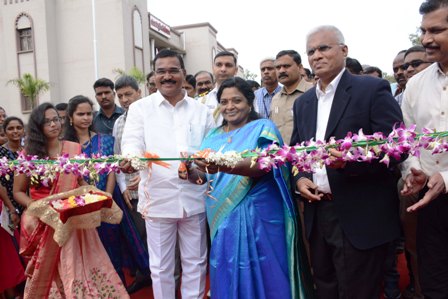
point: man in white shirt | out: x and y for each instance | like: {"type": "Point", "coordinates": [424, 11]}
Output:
{"type": "Point", "coordinates": [425, 104]}
{"type": "Point", "coordinates": [224, 67]}
{"type": "Point", "coordinates": [168, 123]}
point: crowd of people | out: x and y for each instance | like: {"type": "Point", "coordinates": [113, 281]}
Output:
{"type": "Point", "coordinates": [331, 233]}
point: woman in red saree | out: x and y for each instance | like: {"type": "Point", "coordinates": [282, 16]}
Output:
{"type": "Point", "coordinates": [81, 267]}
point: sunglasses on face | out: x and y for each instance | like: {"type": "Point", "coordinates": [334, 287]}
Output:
{"type": "Point", "coordinates": [414, 63]}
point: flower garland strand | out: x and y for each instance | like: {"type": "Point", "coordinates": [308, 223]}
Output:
{"type": "Point", "coordinates": [304, 157]}
{"type": "Point", "coordinates": [354, 148]}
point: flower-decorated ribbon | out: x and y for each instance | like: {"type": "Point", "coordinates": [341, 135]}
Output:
{"type": "Point", "coordinates": [304, 157]}
{"type": "Point", "coordinates": [354, 148]}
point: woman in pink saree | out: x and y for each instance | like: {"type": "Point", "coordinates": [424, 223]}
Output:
{"type": "Point", "coordinates": [81, 267]}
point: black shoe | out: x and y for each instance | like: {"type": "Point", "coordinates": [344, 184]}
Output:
{"type": "Point", "coordinates": [138, 284]}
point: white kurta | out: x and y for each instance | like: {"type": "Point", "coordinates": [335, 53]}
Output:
{"type": "Point", "coordinates": [154, 125]}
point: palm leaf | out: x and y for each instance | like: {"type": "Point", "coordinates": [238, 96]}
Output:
{"type": "Point", "coordinates": [134, 72]}
{"type": "Point", "coordinates": [30, 87]}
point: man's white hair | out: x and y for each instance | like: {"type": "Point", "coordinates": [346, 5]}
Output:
{"type": "Point", "coordinates": [267, 59]}
{"type": "Point", "coordinates": [331, 28]}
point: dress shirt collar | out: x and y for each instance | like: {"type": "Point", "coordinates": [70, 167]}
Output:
{"type": "Point", "coordinates": [160, 99]}
{"type": "Point", "coordinates": [301, 87]}
{"type": "Point", "coordinates": [117, 110]}
{"type": "Point", "coordinates": [265, 92]}
{"type": "Point", "coordinates": [214, 91]}
{"type": "Point", "coordinates": [331, 87]}
{"type": "Point", "coordinates": [440, 71]}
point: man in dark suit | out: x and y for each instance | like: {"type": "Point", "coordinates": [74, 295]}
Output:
{"type": "Point", "coordinates": [351, 209]}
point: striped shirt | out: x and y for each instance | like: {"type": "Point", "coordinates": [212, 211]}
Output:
{"type": "Point", "coordinates": [122, 178]}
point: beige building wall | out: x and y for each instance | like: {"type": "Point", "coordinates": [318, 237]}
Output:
{"type": "Point", "coordinates": [200, 46]}
{"type": "Point", "coordinates": [64, 46]}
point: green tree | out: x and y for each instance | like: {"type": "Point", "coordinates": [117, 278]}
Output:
{"type": "Point", "coordinates": [30, 87]}
{"type": "Point", "coordinates": [415, 38]}
{"type": "Point", "coordinates": [248, 75]}
{"type": "Point", "coordinates": [134, 72]}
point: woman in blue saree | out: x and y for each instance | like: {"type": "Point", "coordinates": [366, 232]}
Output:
{"type": "Point", "coordinates": [122, 242]}
{"type": "Point", "coordinates": [256, 249]}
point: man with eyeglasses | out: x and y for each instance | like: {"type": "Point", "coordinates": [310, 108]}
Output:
{"type": "Point", "coordinates": [425, 105]}
{"type": "Point", "coordinates": [288, 66]}
{"type": "Point", "coordinates": [400, 78]}
{"type": "Point", "coordinates": [415, 61]}
{"type": "Point", "coordinates": [351, 208]}
{"type": "Point", "coordinates": [168, 123]}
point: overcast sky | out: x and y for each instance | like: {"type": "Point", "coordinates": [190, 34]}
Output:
{"type": "Point", "coordinates": [374, 30]}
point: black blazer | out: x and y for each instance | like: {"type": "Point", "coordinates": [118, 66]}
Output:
{"type": "Point", "coordinates": [365, 194]}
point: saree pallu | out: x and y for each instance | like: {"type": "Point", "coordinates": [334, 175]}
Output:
{"type": "Point", "coordinates": [256, 247]}
{"type": "Point", "coordinates": [78, 269]}
{"type": "Point", "coordinates": [122, 241]}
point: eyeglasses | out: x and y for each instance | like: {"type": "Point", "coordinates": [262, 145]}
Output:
{"type": "Point", "coordinates": [414, 63]}
{"type": "Point", "coordinates": [172, 71]}
{"type": "Point", "coordinates": [321, 49]}
{"type": "Point", "coordinates": [47, 122]}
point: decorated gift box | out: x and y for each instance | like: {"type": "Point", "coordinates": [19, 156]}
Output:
{"type": "Point", "coordinates": [80, 204]}
{"type": "Point", "coordinates": [81, 208]}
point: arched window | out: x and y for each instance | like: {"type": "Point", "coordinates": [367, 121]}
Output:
{"type": "Point", "coordinates": [26, 54]}
{"type": "Point", "coordinates": [24, 33]}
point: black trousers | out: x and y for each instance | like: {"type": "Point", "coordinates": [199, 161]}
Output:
{"type": "Point", "coordinates": [340, 270]}
{"type": "Point", "coordinates": [432, 248]}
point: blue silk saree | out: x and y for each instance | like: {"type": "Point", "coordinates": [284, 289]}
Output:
{"type": "Point", "coordinates": [257, 249]}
